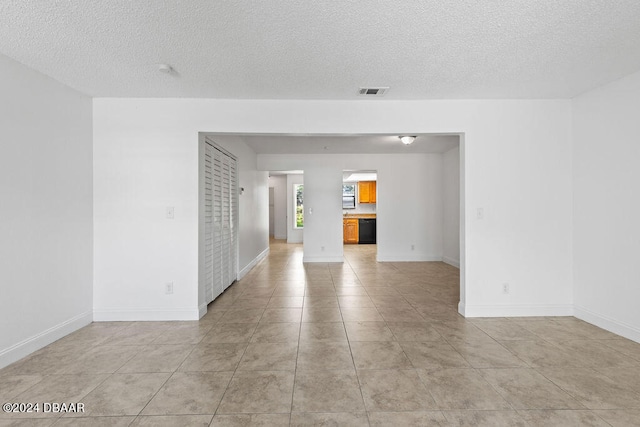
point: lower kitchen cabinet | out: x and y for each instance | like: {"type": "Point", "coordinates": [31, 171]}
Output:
{"type": "Point", "coordinates": [350, 230]}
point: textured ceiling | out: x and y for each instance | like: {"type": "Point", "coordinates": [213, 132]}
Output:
{"type": "Point", "coordinates": [340, 144]}
{"type": "Point", "coordinates": [326, 49]}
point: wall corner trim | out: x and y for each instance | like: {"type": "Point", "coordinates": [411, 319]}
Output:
{"type": "Point", "coordinates": [451, 261]}
{"type": "Point", "coordinates": [44, 338]}
{"type": "Point", "coordinates": [620, 328]}
{"type": "Point", "coordinates": [517, 310]}
{"type": "Point", "coordinates": [252, 264]}
{"type": "Point", "coordinates": [145, 314]}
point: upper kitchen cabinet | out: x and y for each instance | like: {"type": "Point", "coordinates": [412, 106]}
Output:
{"type": "Point", "coordinates": [367, 192]}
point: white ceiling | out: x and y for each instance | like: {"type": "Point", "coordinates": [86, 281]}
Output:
{"type": "Point", "coordinates": [340, 144]}
{"type": "Point", "coordinates": [326, 49]}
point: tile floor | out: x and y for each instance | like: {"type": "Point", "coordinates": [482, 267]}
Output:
{"type": "Point", "coordinates": [354, 344]}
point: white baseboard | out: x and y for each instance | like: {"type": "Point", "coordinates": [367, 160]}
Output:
{"type": "Point", "coordinates": [408, 257]}
{"type": "Point", "coordinates": [621, 328]}
{"type": "Point", "coordinates": [338, 258]}
{"type": "Point", "coordinates": [145, 314]}
{"type": "Point", "coordinates": [515, 310]}
{"type": "Point", "coordinates": [202, 310]}
{"type": "Point", "coordinates": [44, 338]}
{"type": "Point", "coordinates": [451, 261]}
{"type": "Point", "coordinates": [252, 264]}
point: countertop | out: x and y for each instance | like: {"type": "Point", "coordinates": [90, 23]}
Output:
{"type": "Point", "coordinates": [358, 215]}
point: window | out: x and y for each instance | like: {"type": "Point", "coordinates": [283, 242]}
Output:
{"type": "Point", "coordinates": [298, 214]}
{"type": "Point", "coordinates": [348, 196]}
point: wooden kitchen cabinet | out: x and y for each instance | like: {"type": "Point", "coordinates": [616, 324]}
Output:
{"type": "Point", "coordinates": [350, 230]}
{"type": "Point", "coordinates": [367, 192]}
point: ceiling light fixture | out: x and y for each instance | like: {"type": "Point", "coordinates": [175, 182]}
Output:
{"type": "Point", "coordinates": [406, 140]}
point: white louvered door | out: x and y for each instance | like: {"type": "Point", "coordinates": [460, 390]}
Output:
{"type": "Point", "coordinates": [208, 223]}
{"type": "Point", "coordinates": [221, 239]}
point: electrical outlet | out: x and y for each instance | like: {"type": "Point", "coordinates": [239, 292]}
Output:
{"type": "Point", "coordinates": [170, 212]}
{"type": "Point", "coordinates": [322, 248]}
{"type": "Point", "coordinates": [505, 288]}
{"type": "Point", "coordinates": [413, 247]}
{"type": "Point", "coordinates": [480, 213]}
{"type": "Point", "coordinates": [168, 288]}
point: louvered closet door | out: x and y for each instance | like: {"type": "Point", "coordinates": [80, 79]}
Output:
{"type": "Point", "coordinates": [217, 224]}
{"type": "Point", "coordinates": [226, 221]}
{"type": "Point", "coordinates": [208, 222]}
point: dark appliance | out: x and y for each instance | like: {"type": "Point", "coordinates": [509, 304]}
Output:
{"type": "Point", "coordinates": [367, 231]}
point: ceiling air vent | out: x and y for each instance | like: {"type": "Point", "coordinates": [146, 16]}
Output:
{"type": "Point", "coordinates": [372, 91]}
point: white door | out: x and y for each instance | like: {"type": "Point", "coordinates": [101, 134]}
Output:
{"type": "Point", "coordinates": [221, 219]}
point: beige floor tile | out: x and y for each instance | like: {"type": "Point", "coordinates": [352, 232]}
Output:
{"type": "Point", "coordinates": [258, 392]}
{"type": "Point", "coordinates": [355, 301]}
{"type": "Point", "coordinates": [248, 315]}
{"type": "Point", "coordinates": [525, 388]}
{"type": "Point", "coordinates": [172, 421]}
{"type": "Point", "coordinates": [275, 315]}
{"type": "Point", "coordinates": [394, 391]}
{"type": "Point", "coordinates": [361, 314]}
{"type": "Point", "coordinates": [97, 422]}
{"type": "Point", "coordinates": [593, 353]}
{"type": "Point", "coordinates": [461, 389]}
{"type": "Point", "coordinates": [433, 355]}
{"type": "Point", "coordinates": [407, 419]}
{"type": "Point", "coordinates": [329, 419]}
{"type": "Point", "coordinates": [123, 394]}
{"type": "Point", "coordinates": [276, 332]}
{"type": "Point", "coordinates": [191, 333]}
{"type": "Point", "coordinates": [12, 386]}
{"type": "Point", "coordinates": [539, 354]}
{"type": "Point", "coordinates": [320, 291]}
{"type": "Point", "coordinates": [556, 418]}
{"type": "Point", "coordinates": [592, 389]}
{"type": "Point", "coordinates": [414, 331]}
{"type": "Point", "coordinates": [189, 393]}
{"type": "Point", "coordinates": [321, 314]}
{"type": "Point", "coordinates": [318, 301]}
{"type": "Point", "coordinates": [230, 333]}
{"type": "Point", "coordinates": [250, 420]}
{"type": "Point", "coordinates": [504, 330]}
{"type": "Point", "coordinates": [157, 358]}
{"type": "Point", "coordinates": [368, 331]}
{"type": "Point", "coordinates": [620, 417]}
{"type": "Point", "coordinates": [393, 314]}
{"type": "Point", "coordinates": [323, 356]}
{"type": "Point", "coordinates": [327, 391]}
{"type": "Point", "coordinates": [485, 419]}
{"type": "Point", "coordinates": [487, 355]}
{"type": "Point", "coordinates": [379, 355]}
{"type": "Point", "coordinates": [214, 357]}
{"type": "Point", "coordinates": [628, 377]}
{"type": "Point", "coordinates": [323, 332]}
{"type": "Point", "coordinates": [71, 388]}
{"type": "Point", "coordinates": [250, 303]}
{"type": "Point", "coordinates": [269, 357]}
{"type": "Point", "coordinates": [285, 302]}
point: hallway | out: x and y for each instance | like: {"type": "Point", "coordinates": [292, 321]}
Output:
{"type": "Point", "coordinates": [354, 344]}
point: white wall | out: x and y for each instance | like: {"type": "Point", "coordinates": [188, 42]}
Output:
{"type": "Point", "coordinates": [516, 157]}
{"type": "Point", "coordinates": [323, 212]}
{"type": "Point", "coordinates": [46, 214]}
{"type": "Point", "coordinates": [145, 159]}
{"type": "Point", "coordinates": [606, 206]}
{"type": "Point", "coordinates": [279, 184]}
{"type": "Point", "coordinates": [451, 207]}
{"type": "Point", "coordinates": [294, 235]}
